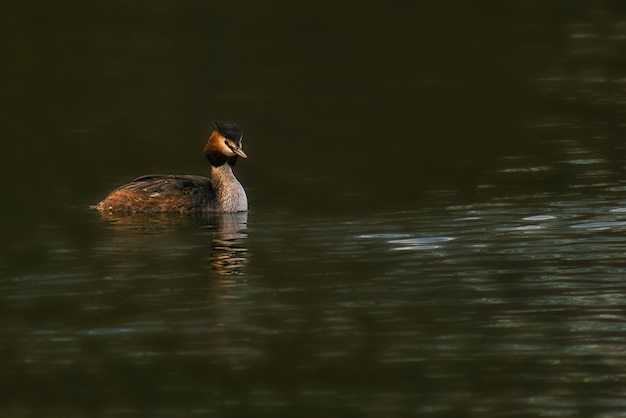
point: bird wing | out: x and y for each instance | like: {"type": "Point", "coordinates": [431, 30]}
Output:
{"type": "Point", "coordinates": [162, 193]}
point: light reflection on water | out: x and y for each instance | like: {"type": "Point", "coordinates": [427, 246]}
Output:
{"type": "Point", "coordinates": [479, 307]}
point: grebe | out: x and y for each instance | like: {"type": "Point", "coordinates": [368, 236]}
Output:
{"type": "Point", "coordinates": [189, 193]}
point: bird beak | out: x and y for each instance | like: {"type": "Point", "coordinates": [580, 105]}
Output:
{"type": "Point", "coordinates": [239, 152]}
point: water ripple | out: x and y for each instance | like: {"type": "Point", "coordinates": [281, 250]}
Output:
{"type": "Point", "coordinates": [599, 226]}
{"type": "Point", "coordinates": [426, 243]}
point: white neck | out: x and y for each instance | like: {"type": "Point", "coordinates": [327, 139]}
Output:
{"type": "Point", "coordinates": [230, 195]}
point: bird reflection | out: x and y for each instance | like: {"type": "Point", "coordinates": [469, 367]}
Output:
{"type": "Point", "coordinates": [228, 255]}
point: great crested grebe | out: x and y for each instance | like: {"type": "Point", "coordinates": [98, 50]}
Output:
{"type": "Point", "coordinates": [189, 193]}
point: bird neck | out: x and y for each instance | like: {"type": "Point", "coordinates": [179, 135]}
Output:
{"type": "Point", "coordinates": [229, 193]}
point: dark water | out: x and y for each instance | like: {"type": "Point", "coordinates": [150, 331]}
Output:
{"type": "Point", "coordinates": [437, 223]}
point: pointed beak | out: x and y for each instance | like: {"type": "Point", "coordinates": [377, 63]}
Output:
{"type": "Point", "coordinates": [239, 152]}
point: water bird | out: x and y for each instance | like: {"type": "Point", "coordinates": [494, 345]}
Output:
{"type": "Point", "coordinates": [222, 192]}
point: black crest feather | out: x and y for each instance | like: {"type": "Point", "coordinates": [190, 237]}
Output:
{"type": "Point", "coordinates": [229, 130]}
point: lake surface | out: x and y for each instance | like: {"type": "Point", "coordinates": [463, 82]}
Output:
{"type": "Point", "coordinates": [437, 223]}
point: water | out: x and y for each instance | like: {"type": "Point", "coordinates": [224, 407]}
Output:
{"type": "Point", "coordinates": [510, 306]}
{"type": "Point", "coordinates": [437, 220]}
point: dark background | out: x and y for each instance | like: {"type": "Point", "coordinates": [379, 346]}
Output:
{"type": "Point", "coordinates": [347, 104]}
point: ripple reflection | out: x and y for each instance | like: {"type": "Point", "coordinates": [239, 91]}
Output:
{"type": "Point", "coordinates": [228, 252]}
